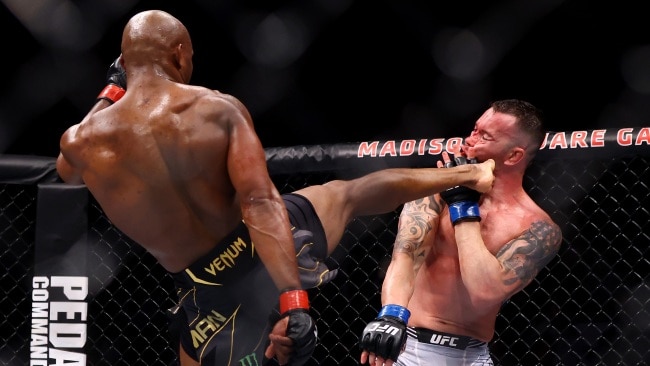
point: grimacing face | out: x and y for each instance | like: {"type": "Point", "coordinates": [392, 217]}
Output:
{"type": "Point", "coordinates": [493, 137]}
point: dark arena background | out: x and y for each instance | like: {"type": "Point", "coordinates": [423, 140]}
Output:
{"type": "Point", "coordinates": [589, 306]}
{"type": "Point", "coordinates": [340, 88]}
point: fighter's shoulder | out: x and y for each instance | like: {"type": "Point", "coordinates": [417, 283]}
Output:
{"type": "Point", "coordinates": [228, 97]}
{"type": "Point", "coordinates": [213, 95]}
{"type": "Point", "coordinates": [523, 216]}
{"type": "Point", "coordinates": [224, 102]}
{"type": "Point", "coordinates": [540, 214]}
{"type": "Point", "coordinates": [542, 225]}
{"type": "Point", "coordinates": [88, 135]}
{"type": "Point", "coordinates": [91, 127]}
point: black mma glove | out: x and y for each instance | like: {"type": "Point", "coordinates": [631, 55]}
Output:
{"type": "Point", "coordinates": [115, 82]}
{"type": "Point", "coordinates": [301, 328]}
{"type": "Point", "coordinates": [462, 201]}
{"type": "Point", "coordinates": [386, 335]}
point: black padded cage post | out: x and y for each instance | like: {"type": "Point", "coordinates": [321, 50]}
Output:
{"type": "Point", "coordinates": [589, 306]}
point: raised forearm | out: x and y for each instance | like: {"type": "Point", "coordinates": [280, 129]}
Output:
{"type": "Point", "coordinates": [481, 271]}
{"type": "Point", "coordinates": [268, 224]}
{"type": "Point", "coordinates": [417, 221]}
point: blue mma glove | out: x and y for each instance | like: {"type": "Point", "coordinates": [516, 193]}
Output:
{"type": "Point", "coordinates": [462, 201]}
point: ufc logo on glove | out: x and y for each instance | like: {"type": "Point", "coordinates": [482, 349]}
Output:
{"type": "Point", "coordinates": [384, 328]}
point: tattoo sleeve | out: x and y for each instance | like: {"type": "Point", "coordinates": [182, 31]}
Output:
{"type": "Point", "coordinates": [414, 223]}
{"type": "Point", "coordinates": [524, 256]}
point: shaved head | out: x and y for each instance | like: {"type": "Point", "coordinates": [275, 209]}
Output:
{"type": "Point", "coordinates": [156, 40]}
{"type": "Point", "coordinates": [151, 34]}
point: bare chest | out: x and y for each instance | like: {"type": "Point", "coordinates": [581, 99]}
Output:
{"type": "Point", "coordinates": [498, 227]}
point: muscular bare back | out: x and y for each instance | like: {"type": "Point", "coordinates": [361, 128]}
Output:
{"type": "Point", "coordinates": [178, 168]}
{"type": "Point", "coordinates": [522, 238]}
{"type": "Point", "coordinates": [157, 166]}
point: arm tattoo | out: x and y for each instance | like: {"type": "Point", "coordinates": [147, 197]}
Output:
{"type": "Point", "coordinates": [525, 255]}
{"type": "Point", "coordinates": [415, 223]}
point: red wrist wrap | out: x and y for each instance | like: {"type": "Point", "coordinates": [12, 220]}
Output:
{"type": "Point", "coordinates": [294, 299]}
{"type": "Point", "coordinates": [111, 92]}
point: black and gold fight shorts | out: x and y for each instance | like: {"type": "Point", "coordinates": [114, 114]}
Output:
{"type": "Point", "coordinates": [226, 298]}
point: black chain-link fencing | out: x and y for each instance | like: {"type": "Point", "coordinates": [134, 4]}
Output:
{"type": "Point", "coordinates": [589, 306]}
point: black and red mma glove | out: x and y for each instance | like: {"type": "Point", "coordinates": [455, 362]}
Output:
{"type": "Point", "coordinates": [462, 201]}
{"type": "Point", "coordinates": [301, 328]}
{"type": "Point", "coordinates": [115, 82]}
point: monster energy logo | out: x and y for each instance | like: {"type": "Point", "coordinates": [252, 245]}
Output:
{"type": "Point", "coordinates": [249, 360]}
